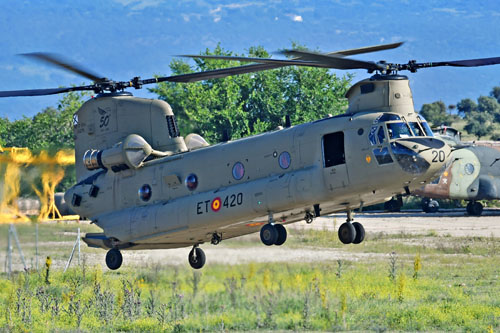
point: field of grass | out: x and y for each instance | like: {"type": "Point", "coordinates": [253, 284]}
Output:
{"type": "Point", "coordinates": [403, 282]}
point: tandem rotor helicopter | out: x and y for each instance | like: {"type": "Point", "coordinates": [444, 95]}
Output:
{"type": "Point", "coordinates": [149, 188]}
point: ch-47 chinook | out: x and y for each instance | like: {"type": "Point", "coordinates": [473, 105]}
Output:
{"type": "Point", "coordinates": [148, 188]}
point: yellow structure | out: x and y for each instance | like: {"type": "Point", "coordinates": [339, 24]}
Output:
{"type": "Point", "coordinates": [51, 174]}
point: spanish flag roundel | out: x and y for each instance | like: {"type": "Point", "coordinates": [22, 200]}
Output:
{"type": "Point", "coordinates": [216, 203]}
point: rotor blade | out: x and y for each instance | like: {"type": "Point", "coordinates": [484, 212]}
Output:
{"type": "Point", "coordinates": [367, 49]}
{"type": "Point", "coordinates": [333, 61]}
{"type": "Point", "coordinates": [283, 62]}
{"type": "Point", "coordinates": [59, 62]}
{"type": "Point", "coordinates": [463, 63]}
{"type": "Point", "coordinates": [213, 74]}
{"type": "Point", "coordinates": [42, 92]}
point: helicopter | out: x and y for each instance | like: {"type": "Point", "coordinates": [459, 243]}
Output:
{"type": "Point", "coordinates": [149, 188]}
{"type": "Point", "coordinates": [473, 174]}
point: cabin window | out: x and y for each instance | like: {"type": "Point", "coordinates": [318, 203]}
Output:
{"type": "Point", "coordinates": [173, 129]}
{"type": "Point", "coordinates": [333, 149]}
{"type": "Point", "coordinates": [238, 170]}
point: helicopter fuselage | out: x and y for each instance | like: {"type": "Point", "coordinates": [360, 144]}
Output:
{"type": "Point", "coordinates": [233, 188]}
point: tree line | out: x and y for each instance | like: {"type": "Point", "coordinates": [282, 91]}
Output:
{"type": "Point", "coordinates": [482, 118]}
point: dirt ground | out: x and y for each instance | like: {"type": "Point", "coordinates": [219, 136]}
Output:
{"type": "Point", "coordinates": [248, 248]}
{"type": "Point", "coordinates": [452, 222]}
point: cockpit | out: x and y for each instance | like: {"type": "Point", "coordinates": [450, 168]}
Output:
{"type": "Point", "coordinates": [387, 131]}
{"type": "Point", "coordinates": [397, 127]}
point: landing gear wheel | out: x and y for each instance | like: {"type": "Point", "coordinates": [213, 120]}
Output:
{"type": "Point", "coordinates": [430, 205]}
{"type": "Point", "coordinates": [196, 258]}
{"type": "Point", "coordinates": [360, 232]}
{"type": "Point", "coordinates": [281, 234]}
{"type": "Point", "coordinates": [347, 233]}
{"type": "Point", "coordinates": [474, 208]}
{"type": "Point", "coordinates": [269, 234]}
{"type": "Point", "coordinates": [114, 259]}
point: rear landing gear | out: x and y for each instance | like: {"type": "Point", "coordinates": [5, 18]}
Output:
{"type": "Point", "coordinates": [114, 259]}
{"type": "Point", "coordinates": [351, 232]}
{"type": "Point", "coordinates": [273, 234]}
{"type": "Point", "coordinates": [196, 257]}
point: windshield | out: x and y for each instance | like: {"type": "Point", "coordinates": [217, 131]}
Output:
{"type": "Point", "coordinates": [425, 125]}
{"type": "Point", "coordinates": [398, 130]}
{"type": "Point", "coordinates": [416, 129]}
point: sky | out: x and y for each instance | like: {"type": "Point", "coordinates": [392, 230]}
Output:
{"type": "Point", "coordinates": [121, 39]}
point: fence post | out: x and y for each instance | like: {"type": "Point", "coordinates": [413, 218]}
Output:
{"type": "Point", "coordinates": [36, 247]}
{"type": "Point", "coordinates": [14, 232]}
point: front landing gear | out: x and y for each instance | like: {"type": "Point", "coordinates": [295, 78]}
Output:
{"type": "Point", "coordinates": [114, 259]}
{"type": "Point", "coordinates": [196, 257]}
{"type": "Point", "coordinates": [351, 232]}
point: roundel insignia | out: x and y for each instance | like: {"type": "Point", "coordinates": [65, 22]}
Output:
{"type": "Point", "coordinates": [216, 203]}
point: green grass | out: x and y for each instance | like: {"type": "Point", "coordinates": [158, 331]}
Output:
{"type": "Point", "coordinates": [455, 290]}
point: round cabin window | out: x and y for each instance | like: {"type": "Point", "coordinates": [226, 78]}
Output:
{"type": "Point", "coordinates": [191, 182]}
{"type": "Point", "coordinates": [238, 170]}
{"type": "Point", "coordinates": [145, 192]}
{"type": "Point", "coordinates": [285, 160]}
{"type": "Point", "coordinates": [469, 168]}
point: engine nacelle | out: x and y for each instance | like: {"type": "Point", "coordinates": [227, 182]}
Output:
{"type": "Point", "coordinates": [130, 153]}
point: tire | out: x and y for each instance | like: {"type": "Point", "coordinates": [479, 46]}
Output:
{"type": "Point", "coordinates": [360, 233]}
{"type": "Point", "coordinates": [432, 206]}
{"type": "Point", "coordinates": [114, 259]}
{"type": "Point", "coordinates": [197, 258]}
{"type": "Point", "coordinates": [469, 207]}
{"type": "Point", "coordinates": [347, 233]}
{"type": "Point", "coordinates": [281, 234]}
{"type": "Point", "coordinates": [476, 208]}
{"type": "Point", "coordinates": [268, 234]}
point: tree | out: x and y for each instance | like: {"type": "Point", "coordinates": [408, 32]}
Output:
{"type": "Point", "coordinates": [486, 104]}
{"type": "Point", "coordinates": [251, 103]}
{"type": "Point", "coordinates": [495, 92]}
{"type": "Point", "coordinates": [466, 106]}
{"type": "Point", "coordinates": [436, 114]}
{"type": "Point", "coordinates": [479, 124]}
{"type": "Point", "coordinates": [51, 129]}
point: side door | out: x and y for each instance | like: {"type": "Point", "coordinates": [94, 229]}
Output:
{"type": "Point", "coordinates": [334, 167]}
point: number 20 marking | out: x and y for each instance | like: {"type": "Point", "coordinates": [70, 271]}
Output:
{"type": "Point", "coordinates": [438, 155]}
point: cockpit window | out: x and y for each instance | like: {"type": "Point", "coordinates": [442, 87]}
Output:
{"type": "Point", "coordinates": [425, 125]}
{"type": "Point", "coordinates": [381, 135]}
{"type": "Point", "coordinates": [398, 130]}
{"type": "Point", "coordinates": [382, 155]}
{"type": "Point", "coordinates": [372, 135]}
{"type": "Point", "coordinates": [388, 117]}
{"type": "Point", "coordinates": [416, 129]}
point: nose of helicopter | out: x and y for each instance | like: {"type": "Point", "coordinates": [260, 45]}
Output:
{"type": "Point", "coordinates": [421, 156]}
